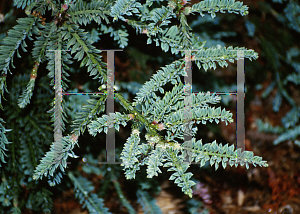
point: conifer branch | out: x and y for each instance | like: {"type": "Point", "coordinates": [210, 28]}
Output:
{"type": "Point", "coordinates": [24, 99]}
{"type": "Point", "coordinates": [40, 7]}
{"type": "Point", "coordinates": [157, 112]}
{"type": "Point", "coordinates": [186, 35]}
{"type": "Point", "coordinates": [3, 88]}
{"type": "Point", "coordinates": [54, 159]}
{"type": "Point", "coordinates": [173, 154]}
{"type": "Point", "coordinates": [83, 189]}
{"type": "Point", "coordinates": [16, 38]}
{"type": "Point", "coordinates": [83, 13]}
{"type": "Point", "coordinates": [102, 123]}
{"type": "Point", "coordinates": [81, 45]}
{"type": "Point", "coordinates": [170, 73]}
{"type": "Point", "coordinates": [89, 112]}
{"type": "Point", "coordinates": [28, 160]}
{"type": "Point", "coordinates": [124, 7]}
{"type": "Point", "coordinates": [154, 162]}
{"type": "Point", "coordinates": [148, 203]}
{"type": "Point", "coordinates": [213, 6]}
{"type": "Point", "coordinates": [41, 42]}
{"type": "Point", "coordinates": [120, 35]}
{"type": "Point", "coordinates": [122, 197]}
{"type": "Point", "coordinates": [3, 141]}
{"type": "Point", "coordinates": [129, 155]}
{"type": "Point", "coordinates": [177, 164]}
{"type": "Point", "coordinates": [208, 56]}
{"type": "Point", "coordinates": [22, 3]}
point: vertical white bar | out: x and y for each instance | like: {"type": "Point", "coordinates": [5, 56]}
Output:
{"type": "Point", "coordinates": [110, 108]}
{"type": "Point", "coordinates": [58, 110]}
{"type": "Point", "coordinates": [188, 104]}
{"type": "Point", "coordinates": [240, 101]}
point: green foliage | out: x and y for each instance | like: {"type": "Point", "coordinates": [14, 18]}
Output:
{"type": "Point", "coordinates": [69, 32]}
{"type": "Point", "coordinates": [120, 35]}
{"type": "Point", "coordinates": [124, 7]}
{"type": "Point", "coordinates": [40, 200]}
{"type": "Point", "coordinates": [54, 159]}
{"type": "Point", "coordinates": [3, 141]}
{"type": "Point", "coordinates": [122, 197]}
{"type": "Point", "coordinates": [83, 189]}
{"type": "Point", "coordinates": [22, 3]}
{"type": "Point", "coordinates": [292, 11]}
{"type": "Point", "coordinates": [27, 94]}
{"type": "Point", "coordinates": [172, 156]}
{"type": "Point", "coordinates": [286, 73]}
{"type": "Point", "coordinates": [26, 147]}
{"type": "Point", "coordinates": [194, 206]}
{"type": "Point", "coordinates": [290, 131]}
{"type": "Point", "coordinates": [84, 13]}
{"type": "Point", "coordinates": [147, 202]}
{"type": "Point", "coordinates": [107, 121]}
{"type": "Point", "coordinates": [213, 6]}
{"type": "Point", "coordinates": [88, 113]}
{"type": "Point", "coordinates": [16, 38]}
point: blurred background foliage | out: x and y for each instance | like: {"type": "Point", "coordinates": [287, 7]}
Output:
{"type": "Point", "coordinates": [272, 105]}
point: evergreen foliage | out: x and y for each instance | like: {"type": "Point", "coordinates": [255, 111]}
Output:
{"type": "Point", "coordinates": [284, 79]}
{"type": "Point", "coordinates": [163, 22]}
{"type": "Point", "coordinates": [83, 189]}
{"type": "Point", "coordinates": [147, 202]}
{"type": "Point", "coordinates": [3, 140]}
